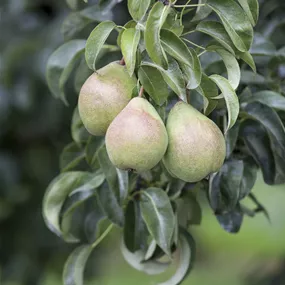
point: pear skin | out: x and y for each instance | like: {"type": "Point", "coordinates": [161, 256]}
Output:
{"type": "Point", "coordinates": [103, 96]}
{"type": "Point", "coordinates": [196, 145]}
{"type": "Point", "coordinates": [137, 138]}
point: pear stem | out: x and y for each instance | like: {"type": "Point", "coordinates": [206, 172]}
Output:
{"type": "Point", "coordinates": [122, 61]}
{"type": "Point", "coordinates": [141, 92]}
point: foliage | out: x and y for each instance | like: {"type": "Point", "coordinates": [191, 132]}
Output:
{"type": "Point", "coordinates": [192, 51]}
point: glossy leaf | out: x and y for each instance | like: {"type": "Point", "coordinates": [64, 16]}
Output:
{"type": "Point", "coordinates": [235, 22]}
{"type": "Point", "coordinates": [136, 260]}
{"type": "Point", "coordinates": [128, 25]}
{"type": "Point", "coordinates": [208, 90]}
{"type": "Point", "coordinates": [96, 41]}
{"type": "Point", "coordinates": [231, 64]}
{"type": "Point", "coordinates": [251, 8]}
{"type": "Point", "coordinates": [158, 216]}
{"type": "Point", "coordinates": [230, 98]}
{"type": "Point", "coordinates": [70, 157]}
{"type": "Point", "coordinates": [138, 8]}
{"type": "Point", "coordinates": [268, 118]}
{"type": "Point", "coordinates": [154, 84]}
{"type": "Point", "coordinates": [61, 64]}
{"type": "Point", "coordinates": [75, 265]}
{"type": "Point", "coordinates": [270, 98]}
{"type": "Point", "coordinates": [129, 44]}
{"type": "Point", "coordinates": [187, 252]}
{"type": "Point", "coordinates": [172, 76]}
{"type": "Point", "coordinates": [231, 138]}
{"type": "Point", "coordinates": [58, 191]}
{"type": "Point", "coordinates": [123, 181]}
{"type": "Point", "coordinates": [155, 21]}
{"type": "Point", "coordinates": [193, 73]}
{"type": "Point", "coordinates": [218, 32]}
{"type": "Point", "coordinates": [258, 143]}
{"type": "Point", "coordinates": [248, 59]}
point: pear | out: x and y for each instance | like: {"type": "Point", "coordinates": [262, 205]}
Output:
{"type": "Point", "coordinates": [103, 96]}
{"type": "Point", "coordinates": [137, 138]}
{"type": "Point", "coordinates": [196, 145]}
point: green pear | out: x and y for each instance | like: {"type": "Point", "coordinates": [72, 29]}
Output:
{"type": "Point", "coordinates": [137, 138]}
{"type": "Point", "coordinates": [196, 145]}
{"type": "Point", "coordinates": [103, 96]}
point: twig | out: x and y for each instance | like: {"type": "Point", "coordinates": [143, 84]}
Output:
{"type": "Point", "coordinates": [122, 61]}
{"type": "Point", "coordinates": [141, 92]}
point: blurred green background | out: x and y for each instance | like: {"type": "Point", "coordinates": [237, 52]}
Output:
{"type": "Point", "coordinates": [34, 127]}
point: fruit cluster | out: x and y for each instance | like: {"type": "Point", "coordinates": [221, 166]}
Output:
{"type": "Point", "coordinates": [191, 146]}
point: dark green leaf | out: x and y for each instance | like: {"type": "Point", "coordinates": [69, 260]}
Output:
{"type": "Point", "coordinates": [174, 188]}
{"type": "Point", "coordinates": [129, 44]}
{"type": "Point", "coordinates": [155, 20]}
{"type": "Point", "coordinates": [70, 157]}
{"type": "Point", "coordinates": [173, 77]}
{"type": "Point", "coordinates": [154, 84]}
{"type": "Point", "coordinates": [235, 22]}
{"type": "Point", "coordinates": [231, 221]}
{"type": "Point", "coordinates": [138, 8]}
{"type": "Point", "coordinates": [187, 252]}
{"type": "Point", "coordinates": [75, 265]}
{"type": "Point", "coordinates": [135, 231]}
{"type": "Point", "coordinates": [61, 64]}
{"type": "Point", "coordinates": [258, 144]}
{"type": "Point", "coordinates": [58, 191]}
{"type": "Point", "coordinates": [81, 75]}
{"type": "Point", "coordinates": [231, 138]}
{"type": "Point", "coordinates": [158, 216]}
{"type": "Point", "coordinates": [96, 41]}
{"type": "Point", "coordinates": [230, 98]}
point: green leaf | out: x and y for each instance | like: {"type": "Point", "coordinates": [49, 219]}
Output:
{"type": "Point", "coordinates": [202, 12]}
{"type": "Point", "coordinates": [192, 74]}
{"type": "Point", "coordinates": [235, 22]}
{"type": "Point", "coordinates": [208, 90]}
{"type": "Point", "coordinates": [268, 118]}
{"type": "Point", "coordinates": [248, 59]}
{"type": "Point", "coordinates": [91, 151]}
{"type": "Point", "coordinates": [135, 231]}
{"type": "Point", "coordinates": [136, 260]}
{"type": "Point", "coordinates": [270, 98]}
{"type": "Point", "coordinates": [172, 76]}
{"type": "Point", "coordinates": [231, 64]}
{"type": "Point", "coordinates": [123, 181]}
{"type": "Point", "coordinates": [218, 32]}
{"type": "Point", "coordinates": [81, 75]}
{"type": "Point", "coordinates": [174, 188]}
{"type": "Point", "coordinates": [78, 132]}
{"type": "Point", "coordinates": [71, 156]}
{"type": "Point", "coordinates": [60, 65]}
{"type": "Point", "coordinates": [95, 42]}
{"type": "Point", "coordinates": [231, 221]}
{"type": "Point", "coordinates": [128, 25]}
{"type": "Point", "coordinates": [138, 8]}
{"type": "Point", "coordinates": [187, 252]}
{"type": "Point", "coordinates": [158, 216]}
{"type": "Point", "coordinates": [172, 23]}
{"type": "Point", "coordinates": [249, 77]}
{"type": "Point", "coordinates": [251, 8]}
{"type": "Point", "coordinates": [129, 44]}
{"type": "Point", "coordinates": [154, 84]}
{"type": "Point", "coordinates": [155, 21]}
{"type": "Point", "coordinates": [75, 265]}
{"type": "Point", "coordinates": [175, 47]}
{"type": "Point", "coordinates": [231, 138]}
{"type": "Point", "coordinates": [249, 177]}
{"type": "Point", "coordinates": [58, 191]}
{"type": "Point", "coordinates": [258, 143]}
{"type": "Point", "coordinates": [230, 98]}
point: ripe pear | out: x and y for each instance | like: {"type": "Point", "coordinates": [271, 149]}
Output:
{"type": "Point", "coordinates": [137, 138]}
{"type": "Point", "coordinates": [196, 145]}
{"type": "Point", "coordinates": [103, 96]}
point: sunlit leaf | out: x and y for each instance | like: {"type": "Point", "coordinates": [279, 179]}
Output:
{"type": "Point", "coordinates": [138, 8]}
